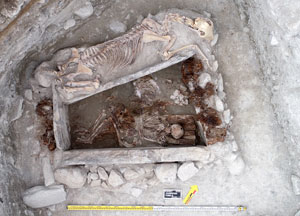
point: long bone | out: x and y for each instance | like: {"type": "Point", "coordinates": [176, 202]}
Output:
{"type": "Point", "coordinates": [97, 127]}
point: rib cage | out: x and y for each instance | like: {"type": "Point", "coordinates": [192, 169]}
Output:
{"type": "Point", "coordinates": [116, 53]}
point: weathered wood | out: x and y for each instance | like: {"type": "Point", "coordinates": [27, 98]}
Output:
{"type": "Point", "coordinates": [181, 141]}
{"type": "Point", "coordinates": [189, 127]}
{"type": "Point", "coordinates": [180, 119]}
{"type": "Point", "coordinates": [133, 155]}
{"type": "Point", "coordinates": [189, 133]}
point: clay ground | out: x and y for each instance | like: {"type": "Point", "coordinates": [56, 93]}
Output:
{"type": "Point", "coordinates": [264, 186]}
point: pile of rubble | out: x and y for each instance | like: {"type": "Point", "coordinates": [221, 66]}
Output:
{"type": "Point", "coordinates": [130, 179]}
{"type": "Point", "coordinates": [127, 179]}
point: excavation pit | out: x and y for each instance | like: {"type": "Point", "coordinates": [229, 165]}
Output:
{"type": "Point", "coordinates": [149, 120]}
{"type": "Point", "coordinates": [257, 56]}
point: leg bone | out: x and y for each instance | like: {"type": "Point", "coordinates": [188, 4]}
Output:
{"type": "Point", "coordinates": [191, 46]}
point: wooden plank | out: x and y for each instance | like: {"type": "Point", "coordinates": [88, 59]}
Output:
{"type": "Point", "coordinates": [181, 141]}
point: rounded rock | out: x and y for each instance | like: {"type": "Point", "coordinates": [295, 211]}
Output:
{"type": "Point", "coordinates": [44, 78]}
{"type": "Point", "coordinates": [203, 79]}
{"type": "Point", "coordinates": [115, 178]}
{"type": "Point", "coordinates": [131, 174]}
{"type": "Point", "coordinates": [73, 177]}
{"type": "Point", "coordinates": [186, 171]}
{"type": "Point", "coordinates": [85, 11]}
{"type": "Point", "coordinates": [219, 104]}
{"type": "Point", "coordinates": [166, 172]}
{"type": "Point", "coordinates": [41, 196]}
{"type": "Point", "coordinates": [117, 27]}
{"type": "Point", "coordinates": [102, 173]}
{"type": "Point", "coordinates": [69, 24]}
{"type": "Point", "coordinates": [94, 176]}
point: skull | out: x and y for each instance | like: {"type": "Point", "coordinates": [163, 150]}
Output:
{"type": "Point", "coordinates": [205, 28]}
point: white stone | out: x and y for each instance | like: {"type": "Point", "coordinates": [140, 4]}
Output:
{"type": "Point", "coordinates": [16, 110]}
{"type": "Point", "coordinates": [44, 76]}
{"type": "Point", "coordinates": [186, 171]}
{"type": "Point", "coordinates": [94, 176]}
{"type": "Point", "coordinates": [28, 212]}
{"type": "Point", "coordinates": [203, 79]}
{"type": "Point", "coordinates": [28, 94]}
{"type": "Point", "coordinates": [274, 41]}
{"type": "Point", "coordinates": [219, 104]}
{"type": "Point", "coordinates": [215, 66]}
{"type": "Point", "coordinates": [73, 177]}
{"type": "Point", "coordinates": [115, 178]}
{"type": "Point", "coordinates": [234, 146]}
{"type": "Point", "coordinates": [222, 95]}
{"type": "Point", "coordinates": [179, 98]}
{"type": "Point", "coordinates": [69, 24]}
{"type": "Point", "coordinates": [199, 165]}
{"type": "Point", "coordinates": [85, 11]}
{"type": "Point", "coordinates": [166, 172]}
{"type": "Point", "coordinates": [191, 86]}
{"type": "Point", "coordinates": [41, 196]}
{"type": "Point", "coordinates": [93, 168]}
{"type": "Point", "coordinates": [215, 40]}
{"type": "Point", "coordinates": [117, 27]}
{"type": "Point", "coordinates": [236, 167]}
{"type": "Point", "coordinates": [131, 174]}
{"type": "Point", "coordinates": [102, 173]}
{"type": "Point", "coordinates": [89, 180]}
{"type": "Point", "coordinates": [227, 116]}
{"type": "Point", "coordinates": [296, 184]}
{"type": "Point", "coordinates": [136, 192]}
{"type": "Point", "coordinates": [96, 183]}
{"type": "Point", "coordinates": [47, 172]}
{"type": "Point", "coordinates": [220, 83]}
{"type": "Point", "coordinates": [298, 213]}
